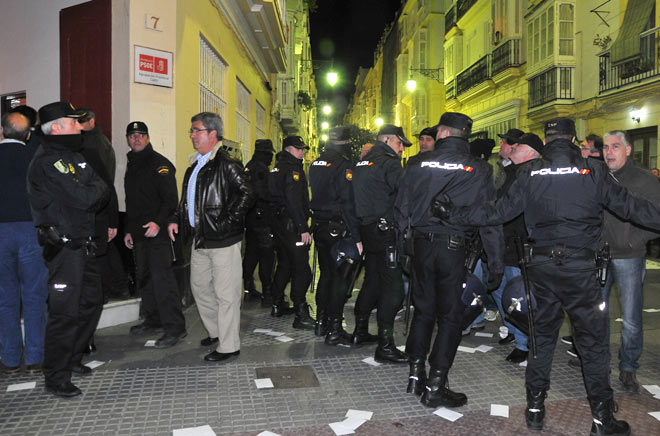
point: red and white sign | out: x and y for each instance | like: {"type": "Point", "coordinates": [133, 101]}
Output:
{"type": "Point", "coordinates": [153, 67]}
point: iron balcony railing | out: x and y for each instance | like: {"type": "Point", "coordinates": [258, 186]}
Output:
{"type": "Point", "coordinates": [477, 73]}
{"type": "Point", "coordinates": [450, 18]}
{"type": "Point", "coordinates": [553, 84]}
{"type": "Point", "coordinates": [462, 6]}
{"type": "Point", "coordinates": [506, 55]}
{"type": "Point", "coordinates": [450, 89]}
{"type": "Point", "coordinates": [644, 67]}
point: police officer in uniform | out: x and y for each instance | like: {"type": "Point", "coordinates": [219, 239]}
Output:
{"type": "Point", "coordinates": [439, 253]}
{"type": "Point", "coordinates": [65, 193]}
{"type": "Point", "coordinates": [375, 181]}
{"type": "Point", "coordinates": [288, 187]}
{"type": "Point", "coordinates": [562, 196]}
{"type": "Point", "coordinates": [151, 198]}
{"type": "Point", "coordinates": [259, 244]}
{"type": "Point", "coordinates": [333, 212]}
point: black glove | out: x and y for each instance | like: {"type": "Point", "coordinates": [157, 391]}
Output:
{"type": "Point", "coordinates": [441, 206]}
{"type": "Point", "coordinates": [494, 281]}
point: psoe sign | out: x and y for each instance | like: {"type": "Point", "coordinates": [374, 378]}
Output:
{"type": "Point", "coordinates": [153, 67]}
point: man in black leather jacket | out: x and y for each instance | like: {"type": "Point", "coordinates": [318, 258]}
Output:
{"type": "Point", "coordinates": [214, 200]}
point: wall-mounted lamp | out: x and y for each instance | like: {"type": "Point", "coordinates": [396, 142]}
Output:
{"type": "Point", "coordinates": [431, 73]}
{"type": "Point", "coordinates": [636, 115]}
{"type": "Point", "coordinates": [411, 84]}
{"type": "Point", "coordinates": [379, 121]}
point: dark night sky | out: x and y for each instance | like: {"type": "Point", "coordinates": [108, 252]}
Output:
{"type": "Point", "coordinates": [344, 35]}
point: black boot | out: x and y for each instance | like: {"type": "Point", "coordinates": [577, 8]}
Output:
{"type": "Point", "coordinates": [605, 424]}
{"type": "Point", "coordinates": [437, 392]}
{"type": "Point", "coordinates": [336, 334]}
{"type": "Point", "coordinates": [302, 320]}
{"type": "Point", "coordinates": [321, 326]}
{"type": "Point", "coordinates": [386, 351]}
{"type": "Point", "coordinates": [280, 308]}
{"type": "Point", "coordinates": [361, 333]}
{"type": "Point", "coordinates": [250, 292]}
{"type": "Point", "coordinates": [267, 297]}
{"type": "Point", "coordinates": [535, 411]}
{"type": "Point", "coordinates": [417, 376]}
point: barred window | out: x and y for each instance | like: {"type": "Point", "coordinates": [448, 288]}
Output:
{"type": "Point", "coordinates": [212, 76]}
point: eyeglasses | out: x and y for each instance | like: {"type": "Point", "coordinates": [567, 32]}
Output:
{"type": "Point", "coordinates": [589, 149]}
{"type": "Point", "coordinates": [196, 131]}
{"type": "Point", "coordinates": [136, 135]}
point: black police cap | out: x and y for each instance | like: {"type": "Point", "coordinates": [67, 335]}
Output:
{"type": "Point", "coordinates": [391, 129]}
{"type": "Point", "coordinates": [294, 141]}
{"type": "Point", "coordinates": [560, 126]}
{"type": "Point", "coordinates": [482, 146]}
{"type": "Point", "coordinates": [429, 131]}
{"type": "Point", "coordinates": [137, 127]}
{"type": "Point", "coordinates": [264, 145]}
{"type": "Point", "coordinates": [57, 110]}
{"type": "Point", "coordinates": [456, 120]}
{"type": "Point", "coordinates": [533, 141]}
{"type": "Point", "coordinates": [512, 135]}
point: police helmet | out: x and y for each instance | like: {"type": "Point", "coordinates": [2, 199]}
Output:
{"type": "Point", "coordinates": [346, 256]}
{"type": "Point", "coordinates": [472, 297]}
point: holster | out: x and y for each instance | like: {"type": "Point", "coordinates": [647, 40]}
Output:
{"type": "Point", "coordinates": [473, 253]}
{"type": "Point", "coordinates": [603, 259]}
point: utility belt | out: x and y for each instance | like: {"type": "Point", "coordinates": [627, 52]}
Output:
{"type": "Point", "coordinates": [560, 254]}
{"type": "Point", "coordinates": [454, 242]}
{"type": "Point", "coordinates": [53, 242]}
{"type": "Point", "coordinates": [335, 225]}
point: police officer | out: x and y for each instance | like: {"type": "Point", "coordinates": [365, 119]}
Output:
{"type": "Point", "coordinates": [333, 211]}
{"type": "Point", "coordinates": [65, 193]}
{"type": "Point", "coordinates": [375, 182]}
{"type": "Point", "coordinates": [151, 198]}
{"type": "Point", "coordinates": [259, 244]}
{"type": "Point", "coordinates": [287, 185]}
{"type": "Point", "coordinates": [439, 253]}
{"type": "Point", "coordinates": [562, 196]}
{"type": "Point", "coordinates": [426, 143]}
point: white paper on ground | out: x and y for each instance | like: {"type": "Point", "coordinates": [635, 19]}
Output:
{"type": "Point", "coordinates": [371, 361]}
{"type": "Point", "coordinates": [275, 333]}
{"type": "Point", "coordinates": [656, 415]}
{"type": "Point", "coordinates": [483, 335]}
{"type": "Point", "coordinates": [94, 364]}
{"type": "Point", "coordinates": [262, 330]}
{"type": "Point", "coordinates": [484, 348]}
{"type": "Point", "coordinates": [466, 349]}
{"type": "Point", "coordinates": [449, 415]}
{"type": "Point", "coordinates": [651, 310]}
{"type": "Point", "coordinates": [21, 386]}
{"type": "Point", "coordinates": [499, 410]}
{"type": "Point", "coordinates": [268, 433]}
{"type": "Point", "coordinates": [353, 423]}
{"type": "Point", "coordinates": [618, 320]}
{"type": "Point", "coordinates": [204, 430]}
{"type": "Point", "coordinates": [360, 414]}
{"type": "Point", "coordinates": [284, 339]}
{"type": "Point", "coordinates": [263, 383]}
{"type": "Point", "coordinates": [150, 343]}
{"type": "Point", "coordinates": [339, 429]}
{"type": "Point", "coordinates": [653, 389]}
{"type": "Point", "coordinates": [401, 348]}
{"type": "Point", "coordinates": [524, 363]}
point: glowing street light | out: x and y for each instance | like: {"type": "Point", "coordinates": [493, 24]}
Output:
{"type": "Point", "coordinates": [379, 121]}
{"type": "Point", "coordinates": [325, 125]}
{"type": "Point", "coordinates": [324, 137]}
{"type": "Point", "coordinates": [327, 109]}
{"type": "Point", "coordinates": [411, 84]}
{"type": "Point", "coordinates": [332, 78]}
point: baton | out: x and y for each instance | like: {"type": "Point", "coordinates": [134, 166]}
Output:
{"type": "Point", "coordinates": [349, 291]}
{"type": "Point", "coordinates": [311, 291]}
{"type": "Point", "coordinates": [173, 254]}
{"type": "Point", "coordinates": [528, 295]}
{"type": "Point", "coordinates": [410, 248]}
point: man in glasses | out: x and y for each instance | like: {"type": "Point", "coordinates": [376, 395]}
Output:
{"type": "Point", "coordinates": [151, 198]}
{"type": "Point", "coordinates": [592, 146]}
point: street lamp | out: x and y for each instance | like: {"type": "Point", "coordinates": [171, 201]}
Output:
{"type": "Point", "coordinates": [327, 109]}
{"type": "Point", "coordinates": [411, 84]}
{"type": "Point", "coordinates": [332, 78]}
{"type": "Point", "coordinates": [324, 137]}
{"type": "Point", "coordinates": [325, 125]}
{"type": "Point", "coordinates": [379, 121]}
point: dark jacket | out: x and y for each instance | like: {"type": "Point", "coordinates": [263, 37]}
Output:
{"type": "Point", "coordinates": [563, 196]}
{"type": "Point", "coordinates": [256, 172]}
{"type": "Point", "coordinates": [466, 179]}
{"type": "Point", "coordinates": [15, 157]}
{"type": "Point", "coordinates": [516, 227]}
{"type": "Point", "coordinates": [331, 179]}
{"type": "Point", "coordinates": [375, 180]}
{"type": "Point", "coordinates": [287, 185]}
{"type": "Point", "coordinates": [626, 240]}
{"type": "Point", "coordinates": [222, 198]}
{"type": "Point", "coordinates": [65, 191]}
{"type": "Point", "coordinates": [151, 194]}
{"type": "Point", "coordinates": [105, 150]}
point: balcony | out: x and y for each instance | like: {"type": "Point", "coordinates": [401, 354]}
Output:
{"type": "Point", "coordinates": [474, 75]}
{"type": "Point", "coordinates": [450, 19]}
{"type": "Point", "coordinates": [553, 84]}
{"type": "Point", "coordinates": [462, 6]}
{"type": "Point", "coordinates": [637, 70]}
{"type": "Point", "coordinates": [505, 56]}
{"type": "Point", "coordinates": [450, 89]}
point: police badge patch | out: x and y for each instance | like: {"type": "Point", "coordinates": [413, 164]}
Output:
{"type": "Point", "coordinates": [163, 170]}
{"type": "Point", "coordinates": [296, 176]}
{"type": "Point", "coordinates": [61, 167]}
{"type": "Point", "coordinates": [349, 175]}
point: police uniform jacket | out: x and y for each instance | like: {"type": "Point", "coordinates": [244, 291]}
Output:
{"type": "Point", "coordinates": [375, 181]}
{"type": "Point", "coordinates": [222, 198]}
{"type": "Point", "coordinates": [563, 196]}
{"type": "Point", "coordinates": [64, 190]}
{"type": "Point", "coordinates": [515, 228]}
{"type": "Point", "coordinates": [466, 179]}
{"type": "Point", "coordinates": [151, 193]}
{"type": "Point", "coordinates": [330, 178]}
{"type": "Point", "coordinates": [257, 174]}
{"type": "Point", "coordinates": [287, 185]}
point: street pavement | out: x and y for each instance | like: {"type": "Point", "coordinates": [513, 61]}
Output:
{"type": "Point", "coordinates": [140, 390]}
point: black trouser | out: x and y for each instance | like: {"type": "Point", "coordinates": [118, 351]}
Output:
{"type": "Point", "coordinates": [75, 302]}
{"type": "Point", "coordinates": [574, 288]}
{"type": "Point", "coordinates": [259, 249]}
{"type": "Point", "coordinates": [382, 286]}
{"type": "Point", "coordinates": [157, 285]}
{"type": "Point", "coordinates": [437, 285]}
{"type": "Point", "coordinates": [332, 287]}
{"type": "Point", "coordinates": [292, 264]}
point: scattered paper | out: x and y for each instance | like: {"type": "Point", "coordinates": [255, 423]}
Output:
{"type": "Point", "coordinates": [284, 339]}
{"type": "Point", "coordinates": [651, 310]}
{"type": "Point", "coordinates": [21, 386]}
{"type": "Point", "coordinates": [653, 389]}
{"type": "Point", "coordinates": [274, 333]}
{"type": "Point", "coordinates": [504, 332]}
{"type": "Point", "coordinates": [401, 348]}
{"type": "Point", "coordinates": [483, 335]}
{"type": "Point", "coordinates": [268, 433]}
{"type": "Point", "coordinates": [618, 320]}
{"type": "Point", "coordinates": [449, 415]}
{"type": "Point", "coordinates": [371, 361]}
{"type": "Point", "coordinates": [466, 349]}
{"type": "Point", "coordinates": [204, 430]}
{"type": "Point", "coordinates": [499, 410]}
{"type": "Point", "coordinates": [150, 343]}
{"type": "Point", "coordinates": [352, 423]}
{"type": "Point", "coordinates": [484, 348]}
{"type": "Point", "coordinates": [524, 363]}
{"type": "Point", "coordinates": [262, 330]}
{"type": "Point", "coordinates": [339, 429]}
{"type": "Point", "coordinates": [94, 364]}
{"type": "Point", "coordinates": [360, 414]}
{"type": "Point", "coordinates": [656, 415]}
{"type": "Point", "coordinates": [263, 383]}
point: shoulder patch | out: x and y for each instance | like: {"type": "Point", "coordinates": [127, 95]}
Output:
{"type": "Point", "coordinates": [164, 170]}
{"type": "Point", "coordinates": [349, 175]}
{"type": "Point", "coordinates": [295, 175]}
{"type": "Point", "coordinates": [61, 167]}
